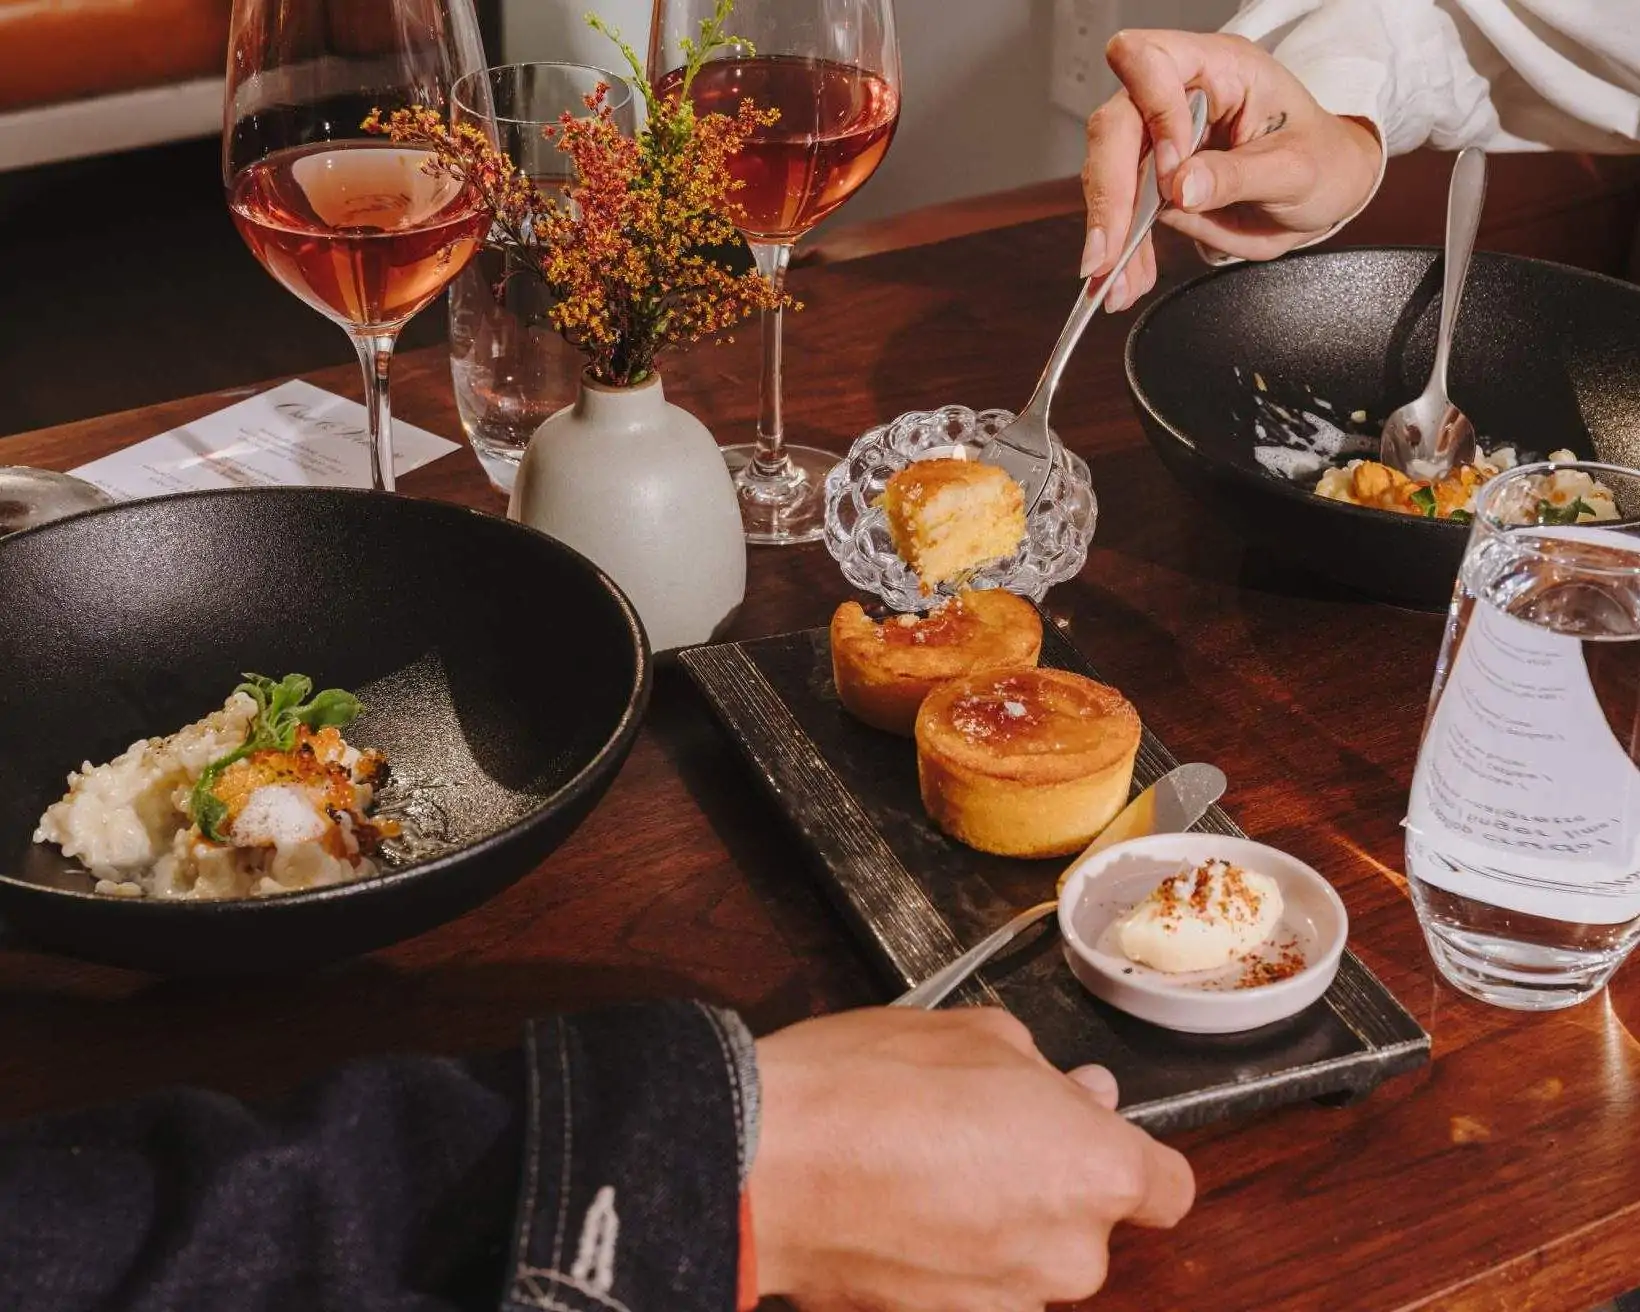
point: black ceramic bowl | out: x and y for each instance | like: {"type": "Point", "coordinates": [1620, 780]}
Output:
{"type": "Point", "coordinates": [502, 673]}
{"type": "Point", "coordinates": [1544, 357]}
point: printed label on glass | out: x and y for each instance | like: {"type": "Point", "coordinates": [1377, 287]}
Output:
{"type": "Point", "coordinates": [1523, 797]}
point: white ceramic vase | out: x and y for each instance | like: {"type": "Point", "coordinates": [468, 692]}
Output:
{"type": "Point", "coordinates": [639, 487]}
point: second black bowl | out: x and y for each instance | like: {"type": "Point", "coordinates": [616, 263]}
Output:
{"type": "Point", "coordinates": [1544, 357]}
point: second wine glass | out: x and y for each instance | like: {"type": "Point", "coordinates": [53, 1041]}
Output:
{"type": "Point", "coordinates": [359, 228]}
{"type": "Point", "coordinates": [832, 70]}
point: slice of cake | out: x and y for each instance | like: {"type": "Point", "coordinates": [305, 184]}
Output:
{"type": "Point", "coordinates": [948, 517]}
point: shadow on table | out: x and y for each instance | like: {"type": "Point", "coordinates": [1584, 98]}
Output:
{"type": "Point", "coordinates": [835, 973]}
{"type": "Point", "coordinates": [96, 1035]}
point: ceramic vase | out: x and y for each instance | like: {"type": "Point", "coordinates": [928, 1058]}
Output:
{"type": "Point", "coordinates": [639, 487]}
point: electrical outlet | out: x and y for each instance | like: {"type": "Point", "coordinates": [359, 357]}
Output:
{"type": "Point", "coordinates": [1079, 81]}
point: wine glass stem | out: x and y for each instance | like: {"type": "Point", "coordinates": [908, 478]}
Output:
{"type": "Point", "coordinates": [770, 458]}
{"type": "Point", "coordinates": [376, 359]}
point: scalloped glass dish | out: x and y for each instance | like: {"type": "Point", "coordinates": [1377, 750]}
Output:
{"type": "Point", "coordinates": [1058, 530]}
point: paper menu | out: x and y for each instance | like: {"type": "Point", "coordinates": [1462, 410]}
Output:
{"type": "Point", "coordinates": [295, 434]}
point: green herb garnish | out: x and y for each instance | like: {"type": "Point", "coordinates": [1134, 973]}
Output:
{"type": "Point", "coordinates": [1549, 513]}
{"type": "Point", "coordinates": [1424, 499]}
{"type": "Point", "coordinates": [280, 708]}
{"type": "Point", "coordinates": [1461, 517]}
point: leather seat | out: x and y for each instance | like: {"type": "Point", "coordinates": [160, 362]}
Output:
{"type": "Point", "coordinates": [57, 50]}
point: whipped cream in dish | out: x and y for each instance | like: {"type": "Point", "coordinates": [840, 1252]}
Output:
{"type": "Point", "coordinates": [1200, 932]}
{"type": "Point", "coordinates": [1203, 918]}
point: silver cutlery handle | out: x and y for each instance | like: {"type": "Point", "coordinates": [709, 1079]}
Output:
{"type": "Point", "coordinates": [933, 990]}
{"type": "Point", "coordinates": [1464, 200]}
{"type": "Point", "coordinates": [1091, 298]}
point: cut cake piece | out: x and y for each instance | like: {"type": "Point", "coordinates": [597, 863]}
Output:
{"type": "Point", "coordinates": [948, 517]}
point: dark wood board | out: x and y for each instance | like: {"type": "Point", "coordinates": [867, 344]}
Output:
{"type": "Point", "coordinates": [918, 899]}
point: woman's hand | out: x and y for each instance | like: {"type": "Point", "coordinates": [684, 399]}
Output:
{"type": "Point", "coordinates": [935, 1162]}
{"type": "Point", "coordinates": [1275, 170]}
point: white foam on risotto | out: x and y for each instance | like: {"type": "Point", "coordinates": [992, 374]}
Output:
{"type": "Point", "coordinates": [277, 816]}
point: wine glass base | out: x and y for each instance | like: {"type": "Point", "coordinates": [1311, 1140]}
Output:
{"type": "Point", "coordinates": [789, 508]}
{"type": "Point", "coordinates": [29, 497]}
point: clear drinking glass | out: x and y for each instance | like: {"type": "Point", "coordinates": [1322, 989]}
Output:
{"type": "Point", "coordinates": [351, 223]}
{"type": "Point", "coordinates": [1523, 829]}
{"type": "Point", "coordinates": [832, 69]}
{"type": "Point", "coordinates": [511, 369]}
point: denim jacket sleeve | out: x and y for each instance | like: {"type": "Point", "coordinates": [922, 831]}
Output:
{"type": "Point", "coordinates": [641, 1130]}
{"type": "Point", "coordinates": [599, 1168]}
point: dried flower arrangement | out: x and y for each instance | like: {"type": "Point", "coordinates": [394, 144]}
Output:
{"type": "Point", "coordinates": [631, 250]}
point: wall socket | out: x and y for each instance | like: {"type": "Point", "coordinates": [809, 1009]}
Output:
{"type": "Point", "coordinates": [1079, 80]}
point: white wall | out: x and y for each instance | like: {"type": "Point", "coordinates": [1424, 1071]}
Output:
{"type": "Point", "coordinates": [980, 82]}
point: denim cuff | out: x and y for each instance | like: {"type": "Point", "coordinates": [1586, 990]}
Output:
{"type": "Point", "coordinates": [641, 1129]}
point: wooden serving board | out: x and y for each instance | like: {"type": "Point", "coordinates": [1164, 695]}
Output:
{"type": "Point", "coordinates": [918, 899]}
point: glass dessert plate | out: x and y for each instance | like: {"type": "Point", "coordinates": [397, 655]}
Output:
{"type": "Point", "coordinates": [1058, 529]}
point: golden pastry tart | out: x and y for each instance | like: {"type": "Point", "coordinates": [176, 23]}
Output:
{"type": "Point", "coordinates": [948, 517]}
{"type": "Point", "coordinates": [883, 671]}
{"type": "Point", "coordinates": [1027, 763]}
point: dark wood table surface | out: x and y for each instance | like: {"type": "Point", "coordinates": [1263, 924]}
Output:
{"type": "Point", "coordinates": [1505, 1175]}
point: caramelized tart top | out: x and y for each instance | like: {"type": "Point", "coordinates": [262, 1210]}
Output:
{"type": "Point", "coordinates": [986, 628]}
{"type": "Point", "coordinates": [1041, 725]}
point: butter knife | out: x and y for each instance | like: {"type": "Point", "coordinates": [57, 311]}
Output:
{"type": "Point", "coordinates": [1169, 806]}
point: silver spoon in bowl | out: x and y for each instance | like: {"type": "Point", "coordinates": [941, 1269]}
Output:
{"type": "Point", "coordinates": [1025, 448]}
{"type": "Point", "coordinates": [1429, 437]}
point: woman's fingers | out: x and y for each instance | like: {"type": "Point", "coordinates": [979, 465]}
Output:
{"type": "Point", "coordinates": [1246, 201]}
{"type": "Point", "coordinates": [1156, 68]}
{"type": "Point", "coordinates": [1135, 280]}
{"type": "Point", "coordinates": [1268, 171]}
{"type": "Point", "coordinates": [1110, 180]}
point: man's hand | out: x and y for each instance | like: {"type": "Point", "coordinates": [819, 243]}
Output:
{"type": "Point", "coordinates": [935, 1162]}
{"type": "Point", "coordinates": [1275, 170]}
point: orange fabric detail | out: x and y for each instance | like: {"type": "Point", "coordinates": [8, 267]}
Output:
{"type": "Point", "coordinates": [746, 1299]}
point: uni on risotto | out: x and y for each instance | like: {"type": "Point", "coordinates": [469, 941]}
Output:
{"type": "Point", "coordinates": [263, 796]}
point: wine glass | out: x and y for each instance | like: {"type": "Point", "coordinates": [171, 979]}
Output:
{"type": "Point", "coordinates": [832, 69]}
{"type": "Point", "coordinates": [37, 496]}
{"type": "Point", "coordinates": [511, 369]}
{"type": "Point", "coordinates": [353, 224]}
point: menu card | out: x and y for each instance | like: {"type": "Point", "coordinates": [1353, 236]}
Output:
{"type": "Point", "coordinates": [295, 434]}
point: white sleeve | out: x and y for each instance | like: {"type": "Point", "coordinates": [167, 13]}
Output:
{"type": "Point", "coordinates": [1501, 74]}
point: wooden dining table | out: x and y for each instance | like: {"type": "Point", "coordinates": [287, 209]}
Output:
{"type": "Point", "coordinates": [1504, 1175]}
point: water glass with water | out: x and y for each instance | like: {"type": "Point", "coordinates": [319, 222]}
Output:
{"type": "Point", "coordinates": [1523, 828]}
{"type": "Point", "coordinates": [510, 368]}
